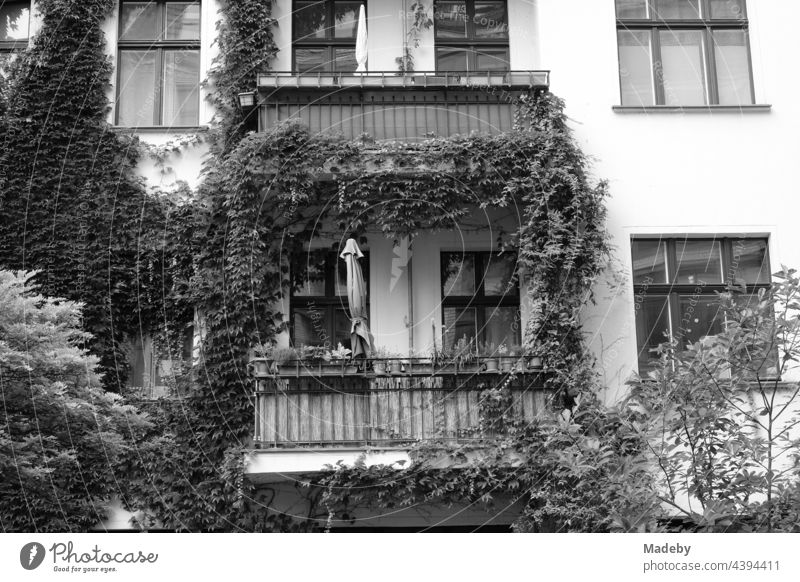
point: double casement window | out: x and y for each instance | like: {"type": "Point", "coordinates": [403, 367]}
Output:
{"type": "Point", "coordinates": [14, 25]}
{"type": "Point", "coordinates": [480, 299]}
{"type": "Point", "coordinates": [676, 281]}
{"type": "Point", "coordinates": [319, 309]}
{"type": "Point", "coordinates": [471, 35]}
{"type": "Point", "coordinates": [324, 35]}
{"type": "Point", "coordinates": [684, 52]}
{"type": "Point", "coordinates": [158, 64]}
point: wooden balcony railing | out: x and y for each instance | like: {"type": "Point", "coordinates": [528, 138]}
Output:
{"type": "Point", "coordinates": [388, 106]}
{"type": "Point", "coordinates": [329, 406]}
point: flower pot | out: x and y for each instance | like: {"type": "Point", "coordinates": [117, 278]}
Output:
{"type": "Point", "coordinates": [534, 362]}
{"type": "Point", "coordinates": [351, 369]}
{"type": "Point", "coordinates": [379, 367]}
{"type": "Point", "coordinates": [506, 364]}
{"type": "Point", "coordinates": [491, 365]}
{"type": "Point", "coordinates": [397, 368]}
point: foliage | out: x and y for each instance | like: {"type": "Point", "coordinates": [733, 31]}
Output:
{"type": "Point", "coordinates": [719, 423]}
{"type": "Point", "coordinates": [421, 20]}
{"type": "Point", "coordinates": [246, 48]}
{"type": "Point", "coordinates": [72, 206]}
{"type": "Point", "coordinates": [61, 436]}
{"type": "Point", "coordinates": [576, 473]}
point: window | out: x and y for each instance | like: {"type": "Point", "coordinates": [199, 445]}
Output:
{"type": "Point", "coordinates": [471, 35]}
{"type": "Point", "coordinates": [480, 299]}
{"type": "Point", "coordinates": [319, 309]}
{"type": "Point", "coordinates": [159, 64]}
{"type": "Point", "coordinates": [675, 282]}
{"type": "Point", "coordinates": [324, 35]}
{"type": "Point", "coordinates": [684, 52]}
{"type": "Point", "coordinates": [14, 24]}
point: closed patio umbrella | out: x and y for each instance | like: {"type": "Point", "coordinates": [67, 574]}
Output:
{"type": "Point", "coordinates": [361, 41]}
{"type": "Point", "coordinates": [360, 337]}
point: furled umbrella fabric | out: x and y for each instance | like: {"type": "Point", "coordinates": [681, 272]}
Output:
{"type": "Point", "coordinates": [361, 41]}
{"type": "Point", "coordinates": [360, 336]}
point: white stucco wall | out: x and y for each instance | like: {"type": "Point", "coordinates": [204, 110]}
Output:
{"type": "Point", "coordinates": [707, 172]}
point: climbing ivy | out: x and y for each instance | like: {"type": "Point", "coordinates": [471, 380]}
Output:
{"type": "Point", "coordinates": [72, 206]}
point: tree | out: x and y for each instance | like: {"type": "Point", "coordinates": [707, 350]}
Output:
{"type": "Point", "coordinates": [61, 435]}
{"type": "Point", "coordinates": [719, 423]}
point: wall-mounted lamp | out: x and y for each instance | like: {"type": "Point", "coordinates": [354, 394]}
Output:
{"type": "Point", "coordinates": [247, 100]}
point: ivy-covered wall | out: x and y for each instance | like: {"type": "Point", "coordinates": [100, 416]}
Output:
{"type": "Point", "coordinates": [71, 203]}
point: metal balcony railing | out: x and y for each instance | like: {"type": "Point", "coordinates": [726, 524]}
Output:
{"type": "Point", "coordinates": [330, 405]}
{"type": "Point", "coordinates": [388, 106]}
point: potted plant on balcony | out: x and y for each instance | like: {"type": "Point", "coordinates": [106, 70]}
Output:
{"type": "Point", "coordinates": [262, 359]}
{"type": "Point", "coordinates": [341, 355]}
{"type": "Point", "coordinates": [506, 361]}
{"type": "Point", "coordinates": [381, 357]}
{"type": "Point", "coordinates": [280, 357]}
{"type": "Point", "coordinates": [465, 354]}
{"type": "Point", "coordinates": [488, 353]}
{"type": "Point", "coordinates": [535, 361]}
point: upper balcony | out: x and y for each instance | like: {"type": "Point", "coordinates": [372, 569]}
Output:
{"type": "Point", "coordinates": [392, 106]}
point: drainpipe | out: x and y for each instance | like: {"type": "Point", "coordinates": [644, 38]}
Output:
{"type": "Point", "coordinates": [409, 275]}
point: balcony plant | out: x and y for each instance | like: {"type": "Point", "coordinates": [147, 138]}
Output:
{"type": "Point", "coordinates": [341, 355]}
{"type": "Point", "coordinates": [489, 353]}
{"type": "Point", "coordinates": [262, 359]}
{"type": "Point", "coordinates": [466, 356]}
{"type": "Point", "coordinates": [381, 358]}
{"type": "Point", "coordinates": [281, 356]}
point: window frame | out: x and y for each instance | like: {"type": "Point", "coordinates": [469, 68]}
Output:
{"type": "Point", "coordinates": [471, 43]}
{"type": "Point", "coordinates": [674, 291]}
{"type": "Point", "coordinates": [478, 300]}
{"type": "Point", "coordinates": [10, 48]}
{"type": "Point", "coordinates": [329, 303]}
{"type": "Point", "coordinates": [707, 26]}
{"type": "Point", "coordinates": [160, 45]}
{"type": "Point", "coordinates": [330, 43]}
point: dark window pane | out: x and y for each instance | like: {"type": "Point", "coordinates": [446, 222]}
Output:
{"type": "Point", "coordinates": [750, 262]}
{"type": "Point", "coordinates": [649, 263]}
{"type": "Point", "coordinates": [311, 60]}
{"type": "Point", "coordinates": [182, 21]}
{"type": "Point", "coordinates": [683, 67]}
{"type": "Point", "coordinates": [136, 103]}
{"type": "Point", "coordinates": [310, 327]}
{"type": "Point", "coordinates": [699, 317]}
{"type": "Point", "coordinates": [14, 20]}
{"type": "Point", "coordinates": [459, 323]}
{"type": "Point", "coordinates": [181, 87]}
{"type": "Point", "coordinates": [492, 60]}
{"type": "Point", "coordinates": [490, 20]}
{"type": "Point", "coordinates": [138, 21]}
{"type": "Point", "coordinates": [451, 59]}
{"type": "Point", "coordinates": [502, 326]}
{"type": "Point", "coordinates": [678, 9]}
{"type": "Point", "coordinates": [728, 9]}
{"type": "Point", "coordinates": [499, 275]}
{"type": "Point", "coordinates": [635, 68]}
{"type": "Point", "coordinates": [631, 8]}
{"type": "Point", "coordinates": [733, 67]}
{"type": "Point", "coordinates": [308, 274]}
{"type": "Point", "coordinates": [458, 274]}
{"type": "Point", "coordinates": [699, 261]}
{"type": "Point", "coordinates": [450, 19]}
{"type": "Point", "coordinates": [345, 59]}
{"type": "Point", "coordinates": [309, 20]}
{"type": "Point", "coordinates": [652, 326]}
{"type": "Point", "coordinates": [346, 19]}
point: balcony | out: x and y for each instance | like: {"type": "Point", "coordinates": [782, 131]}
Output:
{"type": "Point", "coordinates": [389, 106]}
{"type": "Point", "coordinates": [323, 406]}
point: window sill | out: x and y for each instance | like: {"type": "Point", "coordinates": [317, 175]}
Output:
{"type": "Point", "coordinates": [160, 129]}
{"type": "Point", "coordinates": [758, 108]}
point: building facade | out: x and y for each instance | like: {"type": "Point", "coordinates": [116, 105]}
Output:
{"type": "Point", "coordinates": [682, 105]}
